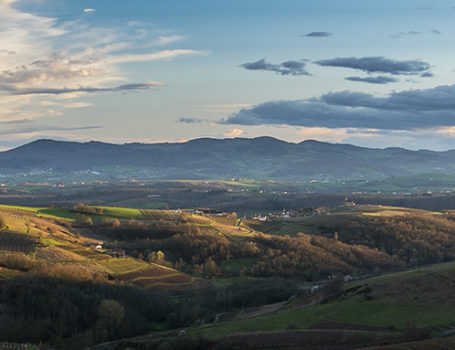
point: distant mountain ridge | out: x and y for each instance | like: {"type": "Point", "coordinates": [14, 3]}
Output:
{"type": "Point", "coordinates": [264, 158]}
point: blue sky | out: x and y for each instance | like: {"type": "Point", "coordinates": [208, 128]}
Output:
{"type": "Point", "coordinates": [375, 74]}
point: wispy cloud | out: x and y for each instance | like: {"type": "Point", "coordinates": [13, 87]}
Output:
{"type": "Point", "coordinates": [381, 79]}
{"type": "Point", "coordinates": [166, 40]}
{"type": "Point", "coordinates": [91, 90]}
{"type": "Point", "coordinates": [190, 120]}
{"type": "Point", "coordinates": [377, 64]}
{"type": "Point", "coordinates": [403, 34]}
{"type": "Point", "coordinates": [318, 34]}
{"type": "Point", "coordinates": [414, 33]}
{"type": "Point", "coordinates": [155, 56]}
{"type": "Point", "coordinates": [284, 68]}
{"type": "Point", "coordinates": [223, 108]}
{"type": "Point", "coordinates": [32, 130]}
{"type": "Point", "coordinates": [66, 60]}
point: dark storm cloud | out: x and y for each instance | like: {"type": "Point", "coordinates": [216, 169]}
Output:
{"type": "Point", "coordinates": [377, 64]}
{"type": "Point", "coordinates": [317, 34]}
{"type": "Point", "coordinates": [406, 110]}
{"type": "Point", "coordinates": [381, 79]}
{"type": "Point", "coordinates": [284, 68]}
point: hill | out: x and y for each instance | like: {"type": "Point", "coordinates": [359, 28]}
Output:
{"type": "Point", "coordinates": [409, 305]}
{"type": "Point", "coordinates": [259, 158]}
{"type": "Point", "coordinates": [77, 276]}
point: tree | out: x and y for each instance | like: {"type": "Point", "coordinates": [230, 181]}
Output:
{"type": "Point", "coordinates": [111, 314]}
{"type": "Point", "coordinates": [209, 267]}
{"type": "Point", "coordinates": [83, 220]}
{"type": "Point", "coordinates": [157, 257]}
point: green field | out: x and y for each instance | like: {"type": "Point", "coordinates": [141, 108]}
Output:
{"type": "Point", "coordinates": [396, 300]}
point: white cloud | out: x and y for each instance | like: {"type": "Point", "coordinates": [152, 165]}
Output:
{"type": "Point", "coordinates": [154, 56]}
{"type": "Point", "coordinates": [79, 104]}
{"type": "Point", "coordinates": [166, 40]}
{"type": "Point", "coordinates": [223, 108]}
{"type": "Point", "coordinates": [66, 60]}
{"type": "Point", "coordinates": [234, 133]}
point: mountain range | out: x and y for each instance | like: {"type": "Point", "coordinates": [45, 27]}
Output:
{"type": "Point", "coordinates": [262, 158]}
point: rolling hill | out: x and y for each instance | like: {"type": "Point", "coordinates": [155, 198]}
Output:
{"type": "Point", "coordinates": [259, 158]}
{"type": "Point", "coordinates": [228, 283]}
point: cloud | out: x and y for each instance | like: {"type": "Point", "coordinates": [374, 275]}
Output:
{"type": "Point", "coordinates": [155, 56]}
{"type": "Point", "coordinates": [190, 120]}
{"type": "Point", "coordinates": [79, 104]}
{"type": "Point", "coordinates": [405, 110]}
{"type": "Point", "coordinates": [234, 133]}
{"type": "Point", "coordinates": [166, 40]}
{"type": "Point", "coordinates": [91, 90]}
{"type": "Point", "coordinates": [34, 129]}
{"type": "Point", "coordinates": [402, 34]}
{"type": "Point", "coordinates": [223, 108]}
{"type": "Point", "coordinates": [53, 68]}
{"type": "Point", "coordinates": [317, 34]}
{"type": "Point", "coordinates": [414, 32]}
{"type": "Point", "coordinates": [18, 121]}
{"type": "Point", "coordinates": [67, 59]}
{"type": "Point", "coordinates": [427, 75]}
{"type": "Point", "coordinates": [284, 68]}
{"type": "Point", "coordinates": [374, 80]}
{"type": "Point", "coordinates": [377, 64]}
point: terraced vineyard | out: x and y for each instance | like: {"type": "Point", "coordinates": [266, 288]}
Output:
{"type": "Point", "coordinates": [149, 276]}
{"type": "Point", "coordinates": [13, 242]}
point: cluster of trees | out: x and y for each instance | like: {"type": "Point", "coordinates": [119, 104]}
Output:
{"type": "Point", "coordinates": [192, 251]}
{"type": "Point", "coordinates": [364, 244]}
{"type": "Point", "coordinates": [73, 314]}
{"type": "Point", "coordinates": [414, 239]}
{"type": "Point", "coordinates": [70, 312]}
{"type": "Point", "coordinates": [311, 257]}
{"type": "Point", "coordinates": [82, 208]}
{"type": "Point", "coordinates": [304, 256]}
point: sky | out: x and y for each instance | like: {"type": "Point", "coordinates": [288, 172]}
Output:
{"type": "Point", "coordinates": [369, 73]}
